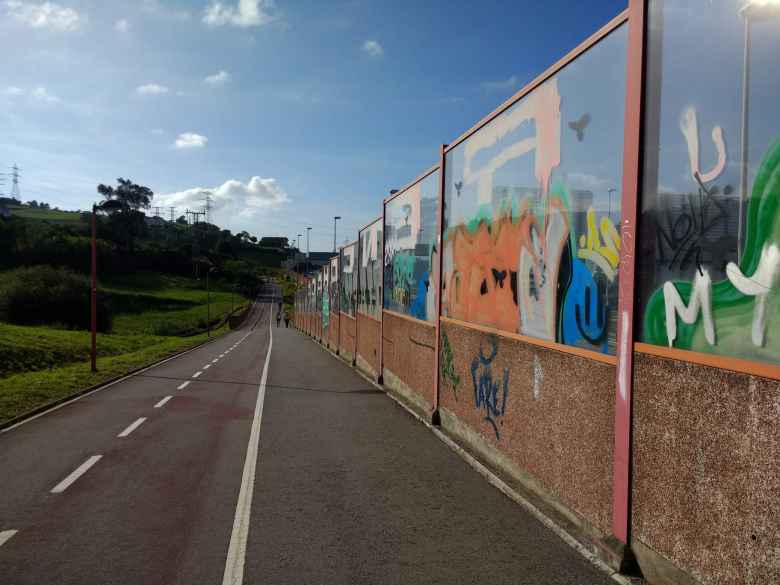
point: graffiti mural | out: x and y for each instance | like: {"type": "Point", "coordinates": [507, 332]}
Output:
{"type": "Point", "coordinates": [411, 228]}
{"type": "Point", "coordinates": [490, 391]}
{"type": "Point", "coordinates": [710, 223]}
{"type": "Point", "coordinates": [532, 200]}
{"type": "Point", "coordinates": [448, 373]}
{"type": "Point", "coordinates": [325, 296]}
{"type": "Point", "coordinates": [370, 270]}
{"type": "Point", "coordinates": [348, 279]}
{"type": "Point", "coordinates": [333, 289]}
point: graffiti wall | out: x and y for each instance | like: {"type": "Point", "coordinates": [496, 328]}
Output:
{"type": "Point", "coordinates": [532, 201]}
{"type": "Point", "coordinates": [411, 228]}
{"type": "Point", "coordinates": [710, 225]}
{"type": "Point", "coordinates": [348, 279]}
{"type": "Point", "coordinates": [370, 270]}
{"type": "Point", "coordinates": [333, 288]}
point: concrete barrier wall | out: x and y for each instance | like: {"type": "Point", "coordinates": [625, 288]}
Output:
{"type": "Point", "coordinates": [333, 332]}
{"type": "Point", "coordinates": [408, 352]}
{"type": "Point", "coordinates": [368, 333]}
{"type": "Point", "coordinates": [706, 477]}
{"type": "Point", "coordinates": [547, 413]}
{"type": "Point", "coordinates": [347, 337]}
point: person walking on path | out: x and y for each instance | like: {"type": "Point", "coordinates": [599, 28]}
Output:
{"type": "Point", "coordinates": [278, 318]}
{"type": "Point", "coordinates": [286, 321]}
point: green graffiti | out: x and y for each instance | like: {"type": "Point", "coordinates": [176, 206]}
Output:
{"type": "Point", "coordinates": [733, 311]}
{"type": "Point", "coordinates": [325, 310]}
{"type": "Point", "coordinates": [448, 373]}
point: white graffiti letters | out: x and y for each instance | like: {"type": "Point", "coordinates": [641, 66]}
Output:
{"type": "Point", "coordinates": [701, 298]}
{"type": "Point", "coordinates": [759, 285]}
{"type": "Point", "coordinates": [689, 126]}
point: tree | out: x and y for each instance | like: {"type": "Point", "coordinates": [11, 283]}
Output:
{"type": "Point", "coordinates": [123, 205]}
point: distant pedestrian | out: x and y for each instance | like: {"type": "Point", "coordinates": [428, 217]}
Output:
{"type": "Point", "coordinates": [286, 322]}
{"type": "Point", "coordinates": [278, 318]}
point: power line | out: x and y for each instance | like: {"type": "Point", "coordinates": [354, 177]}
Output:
{"type": "Point", "coordinates": [15, 191]}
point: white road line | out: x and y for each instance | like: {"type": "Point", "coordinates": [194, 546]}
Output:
{"type": "Point", "coordinates": [163, 402]}
{"type": "Point", "coordinates": [215, 361]}
{"type": "Point", "coordinates": [222, 355]}
{"type": "Point", "coordinates": [77, 473]}
{"type": "Point", "coordinates": [234, 565]}
{"type": "Point", "coordinates": [207, 366]}
{"type": "Point", "coordinates": [183, 386]}
{"type": "Point", "coordinates": [132, 427]}
{"type": "Point", "coordinates": [196, 374]}
{"type": "Point", "coordinates": [6, 535]}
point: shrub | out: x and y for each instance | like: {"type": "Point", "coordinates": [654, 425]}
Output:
{"type": "Point", "coordinates": [44, 295]}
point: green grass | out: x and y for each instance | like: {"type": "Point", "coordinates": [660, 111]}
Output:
{"type": "Point", "coordinates": [21, 393]}
{"type": "Point", "coordinates": [52, 215]}
{"type": "Point", "coordinates": [156, 315]}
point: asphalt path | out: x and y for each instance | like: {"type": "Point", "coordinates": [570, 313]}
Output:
{"type": "Point", "coordinates": [204, 470]}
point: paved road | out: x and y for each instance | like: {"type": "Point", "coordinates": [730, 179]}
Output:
{"type": "Point", "coordinates": [348, 487]}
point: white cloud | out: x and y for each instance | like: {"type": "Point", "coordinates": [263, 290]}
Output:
{"type": "Point", "coordinates": [48, 15]}
{"type": "Point", "coordinates": [122, 25]}
{"type": "Point", "coordinates": [244, 14]}
{"type": "Point", "coordinates": [42, 94]}
{"type": "Point", "coordinates": [190, 140]}
{"type": "Point", "coordinates": [39, 94]}
{"type": "Point", "coordinates": [500, 85]}
{"type": "Point", "coordinates": [232, 200]}
{"type": "Point", "coordinates": [151, 89]}
{"type": "Point", "coordinates": [156, 8]}
{"type": "Point", "coordinates": [373, 48]}
{"type": "Point", "coordinates": [218, 78]}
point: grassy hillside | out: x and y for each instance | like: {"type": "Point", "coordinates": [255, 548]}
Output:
{"type": "Point", "coordinates": [51, 215]}
{"type": "Point", "coordinates": [155, 315]}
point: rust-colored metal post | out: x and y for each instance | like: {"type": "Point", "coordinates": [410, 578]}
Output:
{"type": "Point", "coordinates": [437, 276]}
{"type": "Point", "coordinates": [621, 483]}
{"type": "Point", "coordinates": [93, 292]}
{"type": "Point", "coordinates": [380, 376]}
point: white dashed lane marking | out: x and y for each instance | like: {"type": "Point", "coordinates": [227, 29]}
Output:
{"type": "Point", "coordinates": [183, 386]}
{"type": "Point", "coordinates": [163, 402]}
{"type": "Point", "coordinates": [6, 535]}
{"type": "Point", "coordinates": [77, 473]}
{"type": "Point", "coordinates": [196, 374]}
{"type": "Point", "coordinates": [207, 366]}
{"type": "Point", "coordinates": [132, 427]}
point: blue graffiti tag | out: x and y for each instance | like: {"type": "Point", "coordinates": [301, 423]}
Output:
{"type": "Point", "coordinates": [486, 390]}
{"type": "Point", "coordinates": [585, 310]}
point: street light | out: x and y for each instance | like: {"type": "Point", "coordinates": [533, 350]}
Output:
{"type": "Point", "coordinates": [308, 230]}
{"type": "Point", "coordinates": [753, 10]}
{"type": "Point", "coordinates": [298, 251]}
{"type": "Point", "coordinates": [335, 219]}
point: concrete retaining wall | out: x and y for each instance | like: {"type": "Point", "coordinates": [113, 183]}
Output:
{"type": "Point", "coordinates": [368, 344]}
{"type": "Point", "coordinates": [408, 347]}
{"type": "Point", "coordinates": [706, 477]}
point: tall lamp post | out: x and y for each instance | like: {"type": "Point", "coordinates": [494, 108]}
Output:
{"type": "Point", "coordinates": [752, 11]}
{"type": "Point", "coordinates": [335, 219]}
{"type": "Point", "coordinates": [93, 293]}
{"type": "Point", "coordinates": [298, 251]}
{"type": "Point", "coordinates": [308, 230]}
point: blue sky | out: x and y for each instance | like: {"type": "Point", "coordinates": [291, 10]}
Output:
{"type": "Point", "coordinates": [289, 112]}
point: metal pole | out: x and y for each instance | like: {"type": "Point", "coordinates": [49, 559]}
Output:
{"type": "Point", "coordinates": [208, 306]}
{"type": "Point", "coordinates": [308, 230]}
{"type": "Point", "coordinates": [744, 133]}
{"type": "Point", "coordinates": [335, 219]}
{"type": "Point", "coordinates": [93, 294]}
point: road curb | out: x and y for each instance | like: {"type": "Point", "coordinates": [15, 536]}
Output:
{"type": "Point", "coordinates": [60, 402]}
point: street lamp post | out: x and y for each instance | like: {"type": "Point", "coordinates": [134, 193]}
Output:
{"type": "Point", "coordinates": [297, 251]}
{"type": "Point", "coordinates": [335, 219]}
{"type": "Point", "coordinates": [308, 230]}
{"type": "Point", "coordinates": [753, 10]}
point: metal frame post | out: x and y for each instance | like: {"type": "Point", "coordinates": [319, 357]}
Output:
{"type": "Point", "coordinates": [621, 483]}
